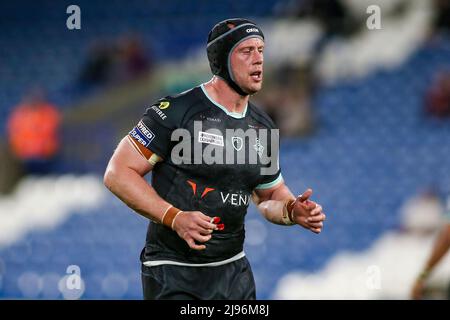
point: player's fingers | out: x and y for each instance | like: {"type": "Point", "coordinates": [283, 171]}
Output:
{"type": "Point", "coordinates": [215, 220]}
{"type": "Point", "coordinates": [317, 209]}
{"type": "Point", "coordinates": [308, 205]}
{"type": "Point", "coordinates": [319, 218]}
{"type": "Point", "coordinates": [305, 195]}
{"type": "Point", "coordinates": [205, 232]}
{"type": "Point", "coordinates": [206, 218]}
{"type": "Point", "coordinates": [316, 225]}
{"type": "Point", "coordinates": [195, 246]}
{"type": "Point", "coordinates": [207, 224]}
{"type": "Point", "coordinates": [316, 230]}
{"type": "Point", "coordinates": [198, 237]}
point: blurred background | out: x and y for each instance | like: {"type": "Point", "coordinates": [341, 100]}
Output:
{"type": "Point", "coordinates": [364, 117]}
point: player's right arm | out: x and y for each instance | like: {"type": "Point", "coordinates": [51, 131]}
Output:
{"type": "Point", "coordinates": [124, 177]}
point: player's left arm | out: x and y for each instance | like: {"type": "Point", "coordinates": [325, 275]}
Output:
{"type": "Point", "coordinates": [278, 205]}
{"type": "Point", "coordinates": [440, 248]}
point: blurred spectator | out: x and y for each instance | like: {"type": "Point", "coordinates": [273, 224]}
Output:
{"type": "Point", "coordinates": [287, 100]}
{"type": "Point", "coordinates": [331, 14]}
{"type": "Point", "coordinates": [33, 129]}
{"type": "Point", "coordinates": [438, 96]}
{"type": "Point", "coordinates": [99, 64]}
{"type": "Point", "coordinates": [115, 63]}
{"type": "Point", "coordinates": [422, 213]}
{"type": "Point", "coordinates": [134, 58]}
{"type": "Point", "coordinates": [442, 15]}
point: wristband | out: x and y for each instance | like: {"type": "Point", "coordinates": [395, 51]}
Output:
{"type": "Point", "coordinates": [169, 216]}
{"type": "Point", "coordinates": [287, 216]}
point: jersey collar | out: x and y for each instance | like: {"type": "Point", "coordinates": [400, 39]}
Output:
{"type": "Point", "coordinates": [235, 115]}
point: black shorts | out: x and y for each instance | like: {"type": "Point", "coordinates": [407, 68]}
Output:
{"type": "Point", "coordinates": [232, 281]}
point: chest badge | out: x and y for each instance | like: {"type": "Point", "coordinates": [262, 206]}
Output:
{"type": "Point", "coordinates": [237, 143]}
{"type": "Point", "coordinates": [259, 148]}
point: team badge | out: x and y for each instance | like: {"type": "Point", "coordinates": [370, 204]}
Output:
{"type": "Point", "coordinates": [237, 143]}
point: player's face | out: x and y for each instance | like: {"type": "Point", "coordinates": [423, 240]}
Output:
{"type": "Point", "coordinates": [247, 64]}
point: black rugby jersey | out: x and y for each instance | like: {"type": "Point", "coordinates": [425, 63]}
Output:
{"type": "Point", "coordinates": [200, 172]}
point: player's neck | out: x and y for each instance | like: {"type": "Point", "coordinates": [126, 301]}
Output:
{"type": "Point", "coordinates": [223, 94]}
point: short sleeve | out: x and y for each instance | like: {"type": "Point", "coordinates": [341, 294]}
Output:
{"type": "Point", "coordinates": [152, 133]}
{"type": "Point", "coordinates": [270, 174]}
{"type": "Point", "coordinates": [270, 181]}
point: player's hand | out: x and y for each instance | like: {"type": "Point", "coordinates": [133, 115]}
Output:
{"type": "Point", "coordinates": [308, 213]}
{"type": "Point", "coordinates": [194, 226]}
{"type": "Point", "coordinates": [417, 290]}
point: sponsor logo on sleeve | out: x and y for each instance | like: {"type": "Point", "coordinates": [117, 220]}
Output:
{"type": "Point", "coordinates": [142, 134]}
{"type": "Point", "coordinates": [157, 110]}
{"type": "Point", "coordinates": [164, 105]}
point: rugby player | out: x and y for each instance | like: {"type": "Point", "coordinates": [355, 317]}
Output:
{"type": "Point", "coordinates": [198, 198]}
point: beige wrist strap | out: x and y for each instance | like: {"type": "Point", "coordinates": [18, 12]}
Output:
{"type": "Point", "coordinates": [169, 216]}
{"type": "Point", "coordinates": [287, 216]}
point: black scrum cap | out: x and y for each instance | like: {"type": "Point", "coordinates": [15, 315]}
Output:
{"type": "Point", "coordinates": [222, 39]}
